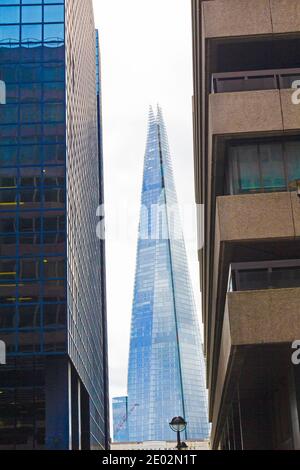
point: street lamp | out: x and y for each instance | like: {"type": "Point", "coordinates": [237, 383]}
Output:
{"type": "Point", "coordinates": [2, 92]}
{"type": "Point", "coordinates": [178, 425]}
{"type": "Point", "coordinates": [2, 353]}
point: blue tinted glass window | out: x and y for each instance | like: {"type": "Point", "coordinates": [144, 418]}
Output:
{"type": "Point", "coordinates": [9, 15]}
{"type": "Point", "coordinates": [11, 2]}
{"type": "Point", "coordinates": [32, 14]}
{"type": "Point", "coordinates": [30, 92]}
{"type": "Point", "coordinates": [54, 72]}
{"type": "Point", "coordinates": [8, 33]}
{"type": "Point", "coordinates": [54, 112]}
{"type": "Point", "coordinates": [53, 31]}
{"type": "Point", "coordinates": [8, 114]}
{"type": "Point", "coordinates": [53, 13]}
{"type": "Point", "coordinates": [30, 73]}
{"type": "Point", "coordinates": [32, 32]}
{"type": "Point", "coordinates": [54, 91]}
{"type": "Point", "coordinates": [30, 113]}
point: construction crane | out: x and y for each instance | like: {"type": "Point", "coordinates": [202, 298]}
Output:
{"type": "Point", "coordinates": [124, 419]}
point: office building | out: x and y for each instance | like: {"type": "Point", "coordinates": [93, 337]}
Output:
{"type": "Point", "coordinates": [53, 389]}
{"type": "Point", "coordinates": [120, 419]}
{"type": "Point", "coordinates": [247, 172]}
{"type": "Point", "coordinates": [166, 363]}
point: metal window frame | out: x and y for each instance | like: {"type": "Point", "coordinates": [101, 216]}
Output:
{"type": "Point", "coordinates": [276, 74]}
{"type": "Point", "coordinates": [268, 266]}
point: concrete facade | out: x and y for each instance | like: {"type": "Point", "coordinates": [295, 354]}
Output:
{"type": "Point", "coordinates": [228, 18]}
{"type": "Point", "coordinates": [245, 62]}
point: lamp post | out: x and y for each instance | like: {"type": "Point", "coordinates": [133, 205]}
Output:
{"type": "Point", "coordinates": [178, 425]}
{"type": "Point", "coordinates": [2, 92]}
{"type": "Point", "coordinates": [2, 353]}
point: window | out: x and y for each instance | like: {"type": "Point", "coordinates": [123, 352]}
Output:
{"type": "Point", "coordinates": [7, 317]}
{"type": "Point", "coordinates": [29, 316]}
{"type": "Point", "coordinates": [32, 32]}
{"type": "Point", "coordinates": [53, 13]}
{"type": "Point", "coordinates": [29, 269]}
{"type": "Point", "coordinates": [9, 33]}
{"type": "Point", "coordinates": [9, 14]}
{"type": "Point", "coordinates": [32, 14]}
{"type": "Point", "coordinates": [264, 275]}
{"type": "Point", "coordinates": [262, 166]}
{"type": "Point", "coordinates": [54, 32]}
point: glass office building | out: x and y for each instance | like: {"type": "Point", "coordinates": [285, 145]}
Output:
{"type": "Point", "coordinates": [166, 362]}
{"type": "Point", "coordinates": [120, 419]}
{"type": "Point", "coordinates": [53, 389]}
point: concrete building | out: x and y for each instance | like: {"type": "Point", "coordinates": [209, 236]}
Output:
{"type": "Point", "coordinates": [247, 167]}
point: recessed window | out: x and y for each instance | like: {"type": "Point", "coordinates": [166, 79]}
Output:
{"type": "Point", "coordinates": [263, 166]}
{"type": "Point", "coordinates": [265, 275]}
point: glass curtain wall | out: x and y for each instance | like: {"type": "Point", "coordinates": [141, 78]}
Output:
{"type": "Point", "coordinates": [166, 375]}
{"type": "Point", "coordinates": [32, 212]}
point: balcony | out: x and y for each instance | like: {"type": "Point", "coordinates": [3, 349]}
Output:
{"type": "Point", "coordinates": [280, 79]}
{"type": "Point", "coordinates": [263, 275]}
{"type": "Point", "coordinates": [257, 217]}
{"type": "Point", "coordinates": [255, 112]}
{"type": "Point", "coordinates": [256, 324]}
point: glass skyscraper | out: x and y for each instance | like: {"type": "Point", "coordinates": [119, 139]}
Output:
{"type": "Point", "coordinates": [53, 389]}
{"type": "Point", "coordinates": [120, 419]}
{"type": "Point", "coordinates": [166, 372]}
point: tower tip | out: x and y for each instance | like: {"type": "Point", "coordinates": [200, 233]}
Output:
{"type": "Point", "coordinates": [151, 112]}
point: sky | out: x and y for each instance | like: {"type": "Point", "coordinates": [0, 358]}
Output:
{"type": "Point", "coordinates": [146, 58]}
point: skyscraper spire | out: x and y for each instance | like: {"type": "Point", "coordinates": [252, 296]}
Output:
{"type": "Point", "coordinates": [151, 114]}
{"type": "Point", "coordinates": [166, 363]}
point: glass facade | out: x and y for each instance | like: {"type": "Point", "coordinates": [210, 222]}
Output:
{"type": "Point", "coordinates": [166, 373]}
{"type": "Point", "coordinates": [51, 305]}
{"type": "Point", "coordinates": [263, 165]}
{"type": "Point", "coordinates": [120, 419]}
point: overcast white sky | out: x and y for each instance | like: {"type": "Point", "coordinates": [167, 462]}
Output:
{"type": "Point", "coordinates": [146, 49]}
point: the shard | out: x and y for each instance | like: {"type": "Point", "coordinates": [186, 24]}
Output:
{"type": "Point", "coordinates": [166, 374]}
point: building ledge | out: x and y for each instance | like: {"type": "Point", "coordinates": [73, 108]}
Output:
{"type": "Point", "coordinates": [256, 217]}
{"type": "Point", "coordinates": [232, 18]}
{"type": "Point", "coordinates": [251, 319]}
{"type": "Point", "coordinates": [253, 112]}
